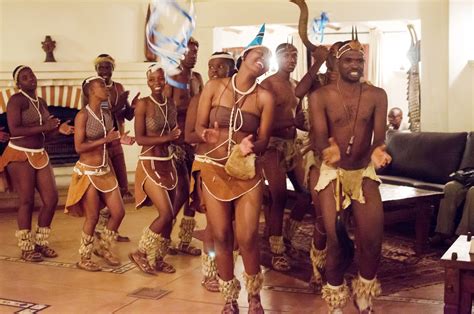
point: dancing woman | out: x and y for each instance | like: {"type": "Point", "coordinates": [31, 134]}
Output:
{"type": "Point", "coordinates": [156, 176]}
{"type": "Point", "coordinates": [232, 112]}
{"type": "Point", "coordinates": [94, 184]}
{"type": "Point", "coordinates": [220, 65]}
{"type": "Point", "coordinates": [27, 163]}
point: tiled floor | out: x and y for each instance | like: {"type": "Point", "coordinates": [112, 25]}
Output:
{"type": "Point", "coordinates": [65, 289]}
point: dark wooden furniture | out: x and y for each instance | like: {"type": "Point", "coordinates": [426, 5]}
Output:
{"type": "Point", "coordinates": [458, 277]}
{"type": "Point", "coordinates": [404, 203]}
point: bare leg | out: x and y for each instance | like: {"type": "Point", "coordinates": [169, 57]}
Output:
{"type": "Point", "coordinates": [46, 185]}
{"type": "Point", "coordinates": [114, 202]}
{"type": "Point", "coordinates": [369, 226]}
{"type": "Point", "coordinates": [162, 202]}
{"type": "Point", "coordinates": [319, 235]}
{"type": "Point", "coordinates": [24, 181]}
{"type": "Point", "coordinates": [151, 251]}
{"type": "Point", "coordinates": [90, 203]}
{"type": "Point", "coordinates": [276, 177]}
{"type": "Point", "coordinates": [318, 250]}
{"type": "Point", "coordinates": [188, 222]}
{"type": "Point", "coordinates": [247, 213]}
{"type": "Point", "coordinates": [334, 264]}
{"type": "Point", "coordinates": [120, 169]}
{"type": "Point", "coordinates": [182, 190]}
{"type": "Point", "coordinates": [219, 216]}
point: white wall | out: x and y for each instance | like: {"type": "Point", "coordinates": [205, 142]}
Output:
{"type": "Point", "coordinates": [461, 74]}
{"type": "Point", "coordinates": [84, 29]}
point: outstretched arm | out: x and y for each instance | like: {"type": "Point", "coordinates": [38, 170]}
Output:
{"type": "Point", "coordinates": [309, 80]}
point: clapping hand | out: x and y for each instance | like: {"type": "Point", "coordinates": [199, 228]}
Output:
{"type": "Point", "coordinates": [380, 158]}
{"type": "Point", "coordinates": [174, 134]}
{"type": "Point", "coordinates": [113, 135]}
{"type": "Point", "coordinates": [122, 100]}
{"type": "Point", "coordinates": [51, 123]}
{"type": "Point", "coordinates": [127, 140]}
{"type": "Point", "coordinates": [65, 128]}
{"type": "Point", "coordinates": [332, 153]}
{"type": "Point", "coordinates": [246, 145]}
{"type": "Point", "coordinates": [134, 101]}
{"type": "Point", "coordinates": [211, 135]}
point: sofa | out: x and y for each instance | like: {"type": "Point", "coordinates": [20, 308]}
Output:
{"type": "Point", "coordinates": [426, 159]}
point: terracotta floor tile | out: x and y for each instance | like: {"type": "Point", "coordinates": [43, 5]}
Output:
{"type": "Point", "coordinates": [70, 290]}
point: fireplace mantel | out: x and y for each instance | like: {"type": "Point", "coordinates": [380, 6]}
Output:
{"type": "Point", "coordinates": [72, 74]}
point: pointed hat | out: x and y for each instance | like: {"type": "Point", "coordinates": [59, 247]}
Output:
{"type": "Point", "coordinates": [257, 41]}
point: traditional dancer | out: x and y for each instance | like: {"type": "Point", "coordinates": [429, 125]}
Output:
{"type": "Point", "coordinates": [27, 163]}
{"type": "Point", "coordinates": [94, 185]}
{"type": "Point", "coordinates": [120, 108]}
{"type": "Point", "coordinates": [281, 154]}
{"type": "Point", "coordinates": [310, 161]}
{"type": "Point", "coordinates": [156, 176]}
{"type": "Point", "coordinates": [220, 65]}
{"type": "Point", "coordinates": [181, 88]}
{"type": "Point", "coordinates": [232, 112]}
{"type": "Point", "coordinates": [345, 117]}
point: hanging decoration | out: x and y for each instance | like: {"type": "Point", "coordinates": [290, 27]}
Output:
{"type": "Point", "coordinates": [168, 31]}
{"type": "Point", "coordinates": [318, 27]}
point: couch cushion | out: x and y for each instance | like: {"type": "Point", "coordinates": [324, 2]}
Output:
{"type": "Point", "coordinates": [425, 156]}
{"type": "Point", "coordinates": [468, 157]}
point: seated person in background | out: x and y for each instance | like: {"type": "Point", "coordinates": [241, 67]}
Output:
{"type": "Point", "coordinates": [454, 194]}
{"type": "Point", "coordinates": [395, 118]}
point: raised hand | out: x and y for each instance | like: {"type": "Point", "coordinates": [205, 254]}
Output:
{"type": "Point", "coordinates": [65, 128]}
{"type": "Point", "coordinates": [211, 135]}
{"type": "Point", "coordinates": [174, 134]}
{"type": "Point", "coordinates": [332, 153]}
{"type": "Point", "coordinates": [4, 136]}
{"type": "Point", "coordinates": [51, 123]}
{"type": "Point", "coordinates": [380, 158]}
{"type": "Point", "coordinates": [127, 140]}
{"type": "Point", "coordinates": [122, 99]}
{"type": "Point", "coordinates": [135, 100]}
{"type": "Point", "coordinates": [113, 135]}
{"type": "Point", "coordinates": [246, 145]}
{"type": "Point", "coordinates": [320, 54]}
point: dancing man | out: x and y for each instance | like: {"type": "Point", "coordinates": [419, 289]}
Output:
{"type": "Point", "coordinates": [348, 125]}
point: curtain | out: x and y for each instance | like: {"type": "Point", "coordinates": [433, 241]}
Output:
{"type": "Point", "coordinates": [375, 57]}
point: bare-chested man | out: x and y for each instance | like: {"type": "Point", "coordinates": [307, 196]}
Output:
{"type": "Point", "coordinates": [348, 125]}
{"type": "Point", "coordinates": [181, 88]}
{"type": "Point", "coordinates": [280, 157]}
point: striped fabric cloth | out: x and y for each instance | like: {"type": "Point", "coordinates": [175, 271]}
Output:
{"type": "Point", "coordinates": [60, 96]}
